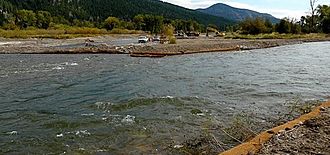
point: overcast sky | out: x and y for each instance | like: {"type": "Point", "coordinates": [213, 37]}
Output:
{"type": "Point", "coordinates": [278, 8]}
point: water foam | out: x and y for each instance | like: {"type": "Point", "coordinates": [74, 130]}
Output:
{"type": "Point", "coordinates": [10, 43]}
{"type": "Point", "coordinates": [70, 64]}
{"type": "Point", "coordinates": [90, 114]}
{"type": "Point", "coordinates": [103, 105]}
{"type": "Point", "coordinates": [12, 133]}
{"type": "Point", "coordinates": [128, 119]}
{"type": "Point", "coordinates": [79, 133]}
{"type": "Point", "coordinates": [168, 97]}
{"type": "Point", "coordinates": [58, 68]}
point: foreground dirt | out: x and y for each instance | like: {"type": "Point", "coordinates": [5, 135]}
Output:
{"type": "Point", "coordinates": [290, 137]}
{"type": "Point", "coordinates": [312, 137]}
{"type": "Point", "coordinates": [107, 45]}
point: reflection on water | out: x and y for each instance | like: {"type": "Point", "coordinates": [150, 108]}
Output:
{"type": "Point", "coordinates": [119, 104]}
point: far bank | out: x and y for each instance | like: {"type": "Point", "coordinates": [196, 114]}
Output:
{"type": "Point", "coordinates": [128, 44]}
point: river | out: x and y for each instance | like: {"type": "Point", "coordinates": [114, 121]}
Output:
{"type": "Point", "coordinates": [61, 104]}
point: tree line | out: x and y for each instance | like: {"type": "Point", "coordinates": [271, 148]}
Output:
{"type": "Point", "coordinates": [96, 11]}
{"type": "Point", "coordinates": [317, 22]}
{"type": "Point", "coordinates": [22, 14]}
{"type": "Point", "coordinates": [23, 19]}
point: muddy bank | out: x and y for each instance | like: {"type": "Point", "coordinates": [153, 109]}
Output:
{"type": "Point", "coordinates": [129, 45]}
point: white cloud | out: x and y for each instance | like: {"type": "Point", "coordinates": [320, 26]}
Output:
{"type": "Point", "coordinates": [278, 13]}
{"type": "Point", "coordinates": [240, 5]}
{"type": "Point", "coordinates": [281, 13]}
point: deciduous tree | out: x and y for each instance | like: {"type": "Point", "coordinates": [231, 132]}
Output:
{"type": "Point", "coordinates": [111, 23]}
{"type": "Point", "coordinates": [25, 18]}
{"type": "Point", "coordinates": [313, 6]}
{"type": "Point", "coordinates": [43, 19]}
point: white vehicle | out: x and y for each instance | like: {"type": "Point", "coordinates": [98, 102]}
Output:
{"type": "Point", "coordinates": [156, 39]}
{"type": "Point", "coordinates": [143, 39]}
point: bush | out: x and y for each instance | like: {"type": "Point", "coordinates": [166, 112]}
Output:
{"type": "Point", "coordinates": [124, 31]}
{"type": "Point", "coordinates": [58, 26]}
{"type": "Point", "coordinates": [168, 30]}
{"type": "Point", "coordinates": [172, 40]}
{"type": "Point", "coordinates": [9, 26]}
{"type": "Point", "coordinates": [85, 30]}
{"type": "Point", "coordinates": [31, 28]}
{"type": "Point", "coordinates": [111, 23]}
{"type": "Point", "coordinates": [255, 26]}
{"type": "Point", "coordinates": [274, 35]}
{"type": "Point", "coordinates": [286, 26]}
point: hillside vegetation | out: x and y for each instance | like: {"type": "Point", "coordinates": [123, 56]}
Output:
{"type": "Point", "coordinates": [98, 10]}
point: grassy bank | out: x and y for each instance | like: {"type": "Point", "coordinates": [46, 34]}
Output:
{"type": "Point", "coordinates": [65, 33]}
{"type": "Point", "coordinates": [275, 36]}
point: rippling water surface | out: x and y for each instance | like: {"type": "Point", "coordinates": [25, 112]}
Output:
{"type": "Point", "coordinates": [118, 104]}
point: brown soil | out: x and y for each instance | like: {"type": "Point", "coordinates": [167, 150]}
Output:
{"type": "Point", "coordinates": [183, 46]}
{"type": "Point", "coordinates": [312, 137]}
{"type": "Point", "coordinates": [202, 45]}
{"type": "Point", "coordinates": [293, 136]}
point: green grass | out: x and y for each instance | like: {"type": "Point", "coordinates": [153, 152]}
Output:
{"type": "Point", "coordinates": [125, 31]}
{"type": "Point", "coordinates": [275, 36]}
{"type": "Point", "coordinates": [62, 33]}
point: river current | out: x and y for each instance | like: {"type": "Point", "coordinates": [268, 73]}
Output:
{"type": "Point", "coordinates": [54, 104]}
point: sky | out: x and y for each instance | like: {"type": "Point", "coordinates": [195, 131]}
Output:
{"type": "Point", "coordinates": [277, 8]}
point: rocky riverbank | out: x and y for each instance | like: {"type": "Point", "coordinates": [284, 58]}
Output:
{"type": "Point", "coordinates": [128, 45]}
{"type": "Point", "coordinates": [308, 134]}
{"type": "Point", "coordinates": [311, 137]}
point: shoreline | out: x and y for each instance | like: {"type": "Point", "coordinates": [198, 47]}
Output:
{"type": "Point", "coordinates": [258, 142]}
{"type": "Point", "coordinates": [218, 45]}
{"type": "Point", "coordinates": [184, 46]}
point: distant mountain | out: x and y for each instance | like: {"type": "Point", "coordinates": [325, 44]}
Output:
{"type": "Point", "coordinates": [236, 14]}
{"type": "Point", "coordinates": [98, 10]}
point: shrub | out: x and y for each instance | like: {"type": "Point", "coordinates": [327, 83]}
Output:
{"type": "Point", "coordinates": [9, 26]}
{"type": "Point", "coordinates": [168, 30]}
{"type": "Point", "coordinates": [124, 31]}
{"type": "Point", "coordinates": [111, 23]}
{"type": "Point", "coordinates": [172, 40]}
{"type": "Point", "coordinates": [85, 30]}
{"type": "Point", "coordinates": [254, 26]}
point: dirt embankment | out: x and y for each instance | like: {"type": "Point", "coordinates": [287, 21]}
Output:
{"type": "Point", "coordinates": [308, 134]}
{"type": "Point", "coordinates": [312, 137]}
{"type": "Point", "coordinates": [105, 45]}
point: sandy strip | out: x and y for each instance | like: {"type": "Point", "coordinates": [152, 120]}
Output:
{"type": "Point", "coordinates": [183, 46]}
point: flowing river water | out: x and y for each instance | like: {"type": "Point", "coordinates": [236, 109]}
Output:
{"type": "Point", "coordinates": [115, 104]}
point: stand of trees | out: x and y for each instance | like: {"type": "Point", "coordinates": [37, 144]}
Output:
{"type": "Point", "coordinates": [256, 26]}
{"type": "Point", "coordinates": [317, 22]}
{"type": "Point", "coordinates": [96, 11]}
{"type": "Point", "coordinates": [288, 26]}
{"type": "Point", "coordinates": [324, 18]}
{"type": "Point", "coordinates": [23, 19]}
{"type": "Point", "coordinates": [320, 22]}
{"type": "Point", "coordinates": [152, 23]}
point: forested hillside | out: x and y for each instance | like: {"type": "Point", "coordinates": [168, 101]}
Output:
{"type": "Point", "coordinates": [99, 10]}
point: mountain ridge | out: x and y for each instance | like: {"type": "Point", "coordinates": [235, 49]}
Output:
{"type": "Point", "coordinates": [236, 14]}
